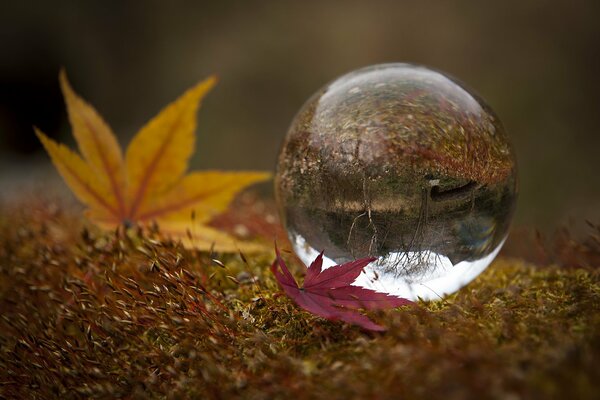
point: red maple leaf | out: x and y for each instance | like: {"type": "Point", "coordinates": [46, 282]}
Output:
{"type": "Point", "coordinates": [330, 294]}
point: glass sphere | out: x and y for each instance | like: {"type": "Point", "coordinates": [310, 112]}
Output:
{"type": "Point", "coordinates": [401, 163]}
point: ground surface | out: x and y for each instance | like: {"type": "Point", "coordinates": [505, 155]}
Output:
{"type": "Point", "coordinates": [105, 315]}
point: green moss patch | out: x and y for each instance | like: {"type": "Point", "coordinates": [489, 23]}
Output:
{"type": "Point", "coordinates": [121, 314]}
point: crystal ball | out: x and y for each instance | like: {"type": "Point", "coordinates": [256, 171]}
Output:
{"type": "Point", "coordinates": [402, 163]}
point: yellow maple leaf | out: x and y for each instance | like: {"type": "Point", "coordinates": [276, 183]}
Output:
{"type": "Point", "coordinates": [148, 185]}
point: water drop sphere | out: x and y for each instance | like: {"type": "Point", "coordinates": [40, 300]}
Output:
{"type": "Point", "coordinates": [401, 163]}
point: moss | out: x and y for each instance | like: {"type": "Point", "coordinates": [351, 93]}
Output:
{"type": "Point", "coordinates": [121, 314]}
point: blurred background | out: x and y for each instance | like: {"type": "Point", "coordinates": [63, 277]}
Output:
{"type": "Point", "coordinates": [536, 63]}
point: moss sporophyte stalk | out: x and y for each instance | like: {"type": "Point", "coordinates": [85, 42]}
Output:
{"type": "Point", "coordinates": [404, 164]}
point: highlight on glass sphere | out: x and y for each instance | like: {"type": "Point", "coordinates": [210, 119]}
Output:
{"type": "Point", "coordinates": [401, 163]}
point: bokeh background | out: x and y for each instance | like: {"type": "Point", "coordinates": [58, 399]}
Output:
{"type": "Point", "coordinates": [537, 63]}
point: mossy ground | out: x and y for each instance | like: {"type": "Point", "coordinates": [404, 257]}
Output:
{"type": "Point", "coordinates": [87, 314]}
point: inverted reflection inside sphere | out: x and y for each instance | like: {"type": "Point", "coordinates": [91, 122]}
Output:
{"type": "Point", "coordinates": [402, 163]}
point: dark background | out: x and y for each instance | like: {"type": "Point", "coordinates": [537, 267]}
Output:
{"type": "Point", "coordinates": [536, 63]}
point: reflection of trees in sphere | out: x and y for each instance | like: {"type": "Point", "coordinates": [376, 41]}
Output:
{"type": "Point", "coordinates": [401, 163]}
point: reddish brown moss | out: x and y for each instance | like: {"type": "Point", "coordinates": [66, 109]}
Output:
{"type": "Point", "coordinates": [91, 314]}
